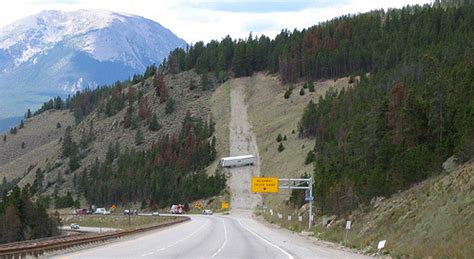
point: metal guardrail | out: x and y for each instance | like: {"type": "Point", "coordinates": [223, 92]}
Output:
{"type": "Point", "coordinates": [24, 249]}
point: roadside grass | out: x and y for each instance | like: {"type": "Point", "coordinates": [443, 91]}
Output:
{"type": "Point", "coordinates": [432, 219]}
{"type": "Point", "coordinates": [220, 112]}
{"type": "Point", "coordinates": [114, 221]}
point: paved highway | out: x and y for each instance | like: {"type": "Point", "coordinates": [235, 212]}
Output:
{"type": "Point", "coordinates": [215, 236]}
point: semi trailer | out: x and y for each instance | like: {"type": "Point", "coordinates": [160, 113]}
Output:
{"type": "Point", "coordinates": [235, 161]}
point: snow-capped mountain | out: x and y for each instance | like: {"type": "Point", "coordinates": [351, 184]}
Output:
{"type": "Point", "coordinates": [55, 53]}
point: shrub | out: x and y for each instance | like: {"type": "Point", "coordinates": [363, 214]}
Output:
{"type": "Point", "coordinates": [351, 79]}
{"type": "Point", "coordinates": [310, 157]}
{"type": "Point", "coordinates": [302, 91]}
{"type": "Point", "coordinates": [169, 106]}
{"type": "Point", "coordinates": [279, 138]}
{"type": "Point", "coordinates": [281, 147]}
{"type": "Point", "coordinates": [288, 92]}
{"type": "Point", "coordinates": [138, 137]}
{"type": "Point", "coordinates": [154, 126]}
{"type": "Point", "coordinates": [311, 86]}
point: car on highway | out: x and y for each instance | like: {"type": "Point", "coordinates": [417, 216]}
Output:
{"type": "Point", "coordinates": [155, 213]}
{"type": "Point", "coordinates": [74, 226]}
{"type": "Point", "coordinates": [207, 212]}
{"type": "Point", "coordinates": [177, 209]}
{"type": "Point", "coordinates": [102, 211]}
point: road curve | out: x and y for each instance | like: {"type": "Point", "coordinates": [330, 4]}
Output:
{"type": "Point", "coordinates": [217, 236]}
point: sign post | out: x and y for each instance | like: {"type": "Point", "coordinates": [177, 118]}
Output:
{"type": "Point", "coordinates": [295, 184]}
{"type": "Point", "coordinates": [348, 226]}
{"type": "Point", "coordinates": [272, 185]}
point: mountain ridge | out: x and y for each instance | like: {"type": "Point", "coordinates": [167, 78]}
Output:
{"type": "Point", "coordinates": [58, 53]}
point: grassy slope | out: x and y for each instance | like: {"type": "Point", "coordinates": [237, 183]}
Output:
{"type": "Point", "coordinates": [41, 138]}
{"type": "Point", "coordinates": [271, 114]}
{"type": "Point", "coordinates": [106, 130]}
{"type": "Point", "coordinates": [433, 218]}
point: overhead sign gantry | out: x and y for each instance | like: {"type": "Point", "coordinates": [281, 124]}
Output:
{"type": "Point", "coordinates": [273, 184]}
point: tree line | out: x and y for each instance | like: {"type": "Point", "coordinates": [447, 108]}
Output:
{"type": "Point", "coordinates": [22, 219]}
{"type": "Point", "coordinates": [172, 171]}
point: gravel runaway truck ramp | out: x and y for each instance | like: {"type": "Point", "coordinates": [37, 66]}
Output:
{"type": "Point", "coordinates": [242, 142]}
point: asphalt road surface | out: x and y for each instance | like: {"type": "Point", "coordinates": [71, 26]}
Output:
{"type": "Point", "coordinates": [214, 236]}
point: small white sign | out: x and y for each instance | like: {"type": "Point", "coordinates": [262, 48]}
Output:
{"type": "Point", "coordinates": [348, 224]}
{"type": "Point", "coordinates": [280, 216]}
{"type": "Point", "coordinates": [300, 218]}
{"type": "Point", "coordinates": [271, 212]}
{"type": "Point", "coordinates": [289, 218]}
{"type": "Point", "coordinates": [381, 244]}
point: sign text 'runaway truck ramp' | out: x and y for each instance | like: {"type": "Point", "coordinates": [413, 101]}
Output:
{"type": "Point", "coordinates": [264, 184]}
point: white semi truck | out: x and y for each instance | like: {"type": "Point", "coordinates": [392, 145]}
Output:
{"type": "Point", "coordinates": [235, 161]}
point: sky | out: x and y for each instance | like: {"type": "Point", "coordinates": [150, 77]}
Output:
{"type": "Point", "coordinates": [205, 20]}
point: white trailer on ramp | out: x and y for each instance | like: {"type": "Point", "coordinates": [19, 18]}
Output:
{"type": "Point", "coordinates": [235, 161]}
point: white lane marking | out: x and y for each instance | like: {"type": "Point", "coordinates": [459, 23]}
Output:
{"type": "Point", "coordinates": [225, 240]}
{"type": "Point", "coordinates": [266, 241]}
{"type": "Point", "coordinates": [181, 240]}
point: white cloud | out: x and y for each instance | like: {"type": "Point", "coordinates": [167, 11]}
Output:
{"type": "Point", "coordinates": [193, 22]}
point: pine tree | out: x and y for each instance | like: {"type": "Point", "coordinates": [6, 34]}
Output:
{"type": "Point", "coordinates": [28, 114]}
{"type": "Point", "coordinates": [4, 138]}
{"type": "Point", "coordinates": [213, 151]}
{"type": "Point", "coordinates": [138, 137]}
{"type": "Point", "coordinates": [279, 138]}
{"type": "Point", "coordinates": [288, 92]}
{"type": "Point", "coordinates": [281, 147]}
{"type": "Point", "coordinates": [154, 126]}
{"type": "Point", "coordinates": [204, 82]}
{"type": "Point", "coordinates": [169, 106]}
{"type": "Point", "coordinates": [158, 82]}
{"type": "Point", "coordinates": [163, 93]}
{"type": "Point", "coordinates": [311, 86]}
{"type": "Point", "coordinates": [67, 142]}
{"type": "Point", "coordinates": [302, 91]}
{"type": "Point", "coordinates": [192, 85]}
{"type": "Point", "coordinates": [74, 158]}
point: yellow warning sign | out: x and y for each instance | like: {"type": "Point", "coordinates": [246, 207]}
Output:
{"type": "Point", "coordinates": [224, 205]}
{"type": "Point", "coordinates": [197, 205]}
{"type": "Point", "coordinates": [264, 184]}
